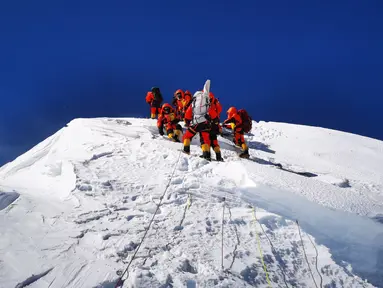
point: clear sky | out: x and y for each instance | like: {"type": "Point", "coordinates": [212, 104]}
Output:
{"type": "Point", "coordinates": [308, 62]}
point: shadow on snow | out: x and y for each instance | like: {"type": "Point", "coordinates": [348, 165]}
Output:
{"type": "Point", "coordinates": [355, 239]}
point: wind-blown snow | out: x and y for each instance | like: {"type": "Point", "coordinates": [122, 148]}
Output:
{"type": "Point", "coordinates": [87, 194]}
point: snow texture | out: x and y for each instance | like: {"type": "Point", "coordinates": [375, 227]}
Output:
{"type": "Point", "coordinates": [85, 196]}
{"type": "Point", "coordinates": [7, 199]}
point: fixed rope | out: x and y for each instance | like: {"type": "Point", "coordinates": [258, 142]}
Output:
{"type": "Point", "coordinates": [178, 229]}
{"type": "Point", "coordinates": [304, 251]}
{"type": "Point", "coordinates": [120, 281]}
{"type": "Point", "coordinates": [236, 235]}
{"type": "Point", "coordinates": [259, 248]}
{"type": "Point", "coordinates": [279, 257]}
{"type": "Point", "coordinates": [316, 260]}
{"type": "Point", "coordinates": [316, 257]}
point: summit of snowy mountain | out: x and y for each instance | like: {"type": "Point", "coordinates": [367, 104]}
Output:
{"type": "Point", "coordinates": [110, 195]}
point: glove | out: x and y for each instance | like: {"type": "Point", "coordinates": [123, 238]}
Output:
{"type": "Point", "coordinates": [207, 117]}
{"type": "Point", "coordinates": [175, 120]}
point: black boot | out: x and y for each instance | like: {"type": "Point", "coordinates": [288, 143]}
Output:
{"type": "Point", "coordinates": [187, 150]}
{"type": "Point", "coordinates": [218, 156]}
{"type": "Point", "coordinates": [244, 154]}
{"type": "Point", "coordinates": [206, 155]}
{"type": "Point", "coordinates": [175, 138]}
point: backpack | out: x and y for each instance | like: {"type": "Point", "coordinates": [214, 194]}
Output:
{"type": "Point", "coordinates": [200, 106]}
{"type": "Point", "coordinates": [157, 95]}
{"type": "Point", "coordinates": [246, 120]}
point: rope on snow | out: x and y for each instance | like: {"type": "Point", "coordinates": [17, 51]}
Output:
{"type": "Point", "coordinates": [316, 256]}
{"type": "Point", "coordinates": [259, 248]}
{"type": "Point", "coordinates": [275, 253]}
{"type": "Point", "coordinates": [120, 281]}
{"type": "Point", "coordinates": [237, 236]}
{"type": "Point", "coordinates": [304, 251]}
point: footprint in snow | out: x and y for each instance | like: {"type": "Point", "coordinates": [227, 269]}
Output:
{"type": "Point", "coordinates": [187, 267]}
{"type": "Point", "coordinates": [107, 236]}
{"type": "Point", "coordinates": [176, 181]}
{"type": "Point", "coordinates": [123, 253]}
{"type": "Point", "coordinates": [273, 222]}
{"type": "Point", "coordinates": [107, 184]}
{"type": "Point", "coordinates": [178, 228]}
{"type": "Point", "coordinates": [192, 184]}
{"type": "Point", "coordinates": [237, 222]}
{"type": "Point", "coordinates": [191, 284]}
{"type": "Point", "coordinates": [209, 228]}
{"type": "Point", "coordinates": [92, 216]}
{"type": "Point", "coordinates": [84, 187]}
{"type": "Point", "coordinates": [183, 165]}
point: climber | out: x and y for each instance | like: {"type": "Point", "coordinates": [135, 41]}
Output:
{"type": "Point", "coordinates": [234, 121]}
{"type": "Point", "coordinates": [177, 102]}
{"type": "Point", "coordinates": [169, 120]}
{"type": "Point", "coordinates": [154, 99]}
{"type": "Point", "coordinates": [197, 118]}
{"type": "Point", "coordinates": [216, 128]}
{"type": "Point", "coordinates": [185, 103]}
{"type": "Point", "coordinates": [216, 103]}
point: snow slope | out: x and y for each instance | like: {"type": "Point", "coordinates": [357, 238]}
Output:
{"type": "Point", "coordinates": [77, 206]}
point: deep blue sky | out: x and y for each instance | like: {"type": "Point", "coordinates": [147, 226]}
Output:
{"type": "Point", "coordinates": [308, 62]}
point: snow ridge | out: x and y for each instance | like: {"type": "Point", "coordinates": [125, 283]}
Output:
{"type": "Point", "coordinates": [85, 205]}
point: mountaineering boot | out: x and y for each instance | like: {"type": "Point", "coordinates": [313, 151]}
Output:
{"type": "Point", "coordinates": [244, 154]}
{"type": "Point", "coordinates": [175, 138]}
{"type": "Point", "coordinates": [206, 152]}
{"type": "Point", "coordinates": [187, 146]}
{"type": "Point", "coordinates": [206, 155]}
{"type": "Point", "coordinates": [178, 133]}
{"type": "Point", "coordinates": [218, 156]}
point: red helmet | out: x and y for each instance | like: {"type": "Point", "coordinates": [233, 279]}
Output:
{"type": "Point", "coordinates": [231, 111]}
{"type": "Point", "coordinates": [179, 94]}
{"type": "Point", "coordinates": [166, 108]}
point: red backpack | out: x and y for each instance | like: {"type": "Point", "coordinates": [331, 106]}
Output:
{"type": "Point", "coordinates": [246, 120]}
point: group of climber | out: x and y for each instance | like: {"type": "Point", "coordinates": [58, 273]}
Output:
{"type": "Point", "coordinates": [201, 114]}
